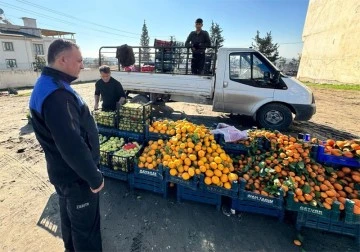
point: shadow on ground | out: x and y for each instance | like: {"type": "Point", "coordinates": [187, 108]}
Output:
{"type": "Point", "coordinates": [26, 129]}
{"type": "Point", "coordinates": [50, 217]}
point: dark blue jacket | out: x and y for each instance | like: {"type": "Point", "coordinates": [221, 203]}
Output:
{"type": "Point", "coordinates": [65, 129]}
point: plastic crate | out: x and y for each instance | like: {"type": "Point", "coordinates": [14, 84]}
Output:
{"type": "Point", "coordinates": [191, 183]}
{"type": "Point", "coordinates": [124, 164]}
{"type": "Point", "coordinates": [105, 158]}
{"type": "Point", "coordinates": [159, 173]}
{"type": "Point", "coordinates": [350, 217]}
{"type": "Point", "coordinates": [198, 195]}
{"type": "Point", "coordinates": [148, 182]}
{"type": "Point", "coordinates": [156, 136]}
{"type": "Point", "coordinates": [264, 201]}
{"type": "Point", "coordinates": [129, 126]}
{"type": "Point", "coordinates": [105, 120]}
{"type": "Point", "coordinates": [233, 192]}
{"type": "Point", "coordinates": [336, 160]}
{"type": "Point", "coordinates": [333, 214]}
{"type": "Point", "coordinates": [257, 207]}
{"type": "Point", "coordinates": [133, 136]}
{"type": "Point", "coordinates": [107, 172]}
{"type": "Point", "coordinates": [330, 225]}
{"type": "Point", "coordinates": [231, 147]}
{"type": "Point", "coordinates": [135, 112]}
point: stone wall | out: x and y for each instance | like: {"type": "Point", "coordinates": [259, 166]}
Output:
{"type": "Point", "coordinates": [331, 51]}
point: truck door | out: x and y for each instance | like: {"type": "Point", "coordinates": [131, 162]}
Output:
{"type": "Point", "coordinates": [247, 81]}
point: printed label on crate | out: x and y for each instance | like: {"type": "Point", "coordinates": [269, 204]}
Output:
{"type": "Point", "coordinates": [261, 199]}
{"type": "Point", "coordinates": [311, 210]}
{"type": "Point", "coordinates": [149, 173]}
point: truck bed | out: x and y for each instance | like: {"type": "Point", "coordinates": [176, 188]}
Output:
{"type": "Point", "coordinates": [192, 86]}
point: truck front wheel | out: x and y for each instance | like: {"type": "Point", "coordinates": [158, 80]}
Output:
{"type": "Point", "coordinates": [274, 116]}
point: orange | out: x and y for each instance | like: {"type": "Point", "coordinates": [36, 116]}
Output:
{"type": "Point", "coordinates": [213, 165]}
{"type": "Point", "coordinates": [192, 157]}
{"type": "Point", "coordinates": [209, 173]}
{"type": "Point", "coordinates": [224, 178]}
{"type": "Point", "coordinates": [191, 171]}
{"type": "Point", "coordinates": [227, 185]}
{"type": "Point", "coordinates": [217, 160]}
{"type": "Point", "coordinates": [173, 172]}
{"type": "Point", "coordinates": [234, 177]}
{"type": "Point", "coordinates": [217, 173]}
{"type": "Point", "coordinates": [202, 168]}
{"type": "Point", "coordinates": [215, 180]}
{"type": "Point", "coordinates": [185, 176]}
{"type": "Point", "coordinates": [208, 181]}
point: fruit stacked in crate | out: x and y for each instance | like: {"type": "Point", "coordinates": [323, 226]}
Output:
{"type": "Point", "coordinates": [118, 155]}
{"type": "Point", "coordinates": [105, 118]}
{"type": "Point", "coordinates": [134, 117]}
{"type": "Point", "coordinates": [192, 151]}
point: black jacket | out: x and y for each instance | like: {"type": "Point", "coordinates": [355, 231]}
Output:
{"type": "Point", "coordinates": [199, 41]}
{"type": "Point", "coordinates": [65, 129]}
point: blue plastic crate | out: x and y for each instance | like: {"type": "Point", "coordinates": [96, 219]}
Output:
{"type": "Point", "coordinates": [333, 214]}
{"type": "Point", "coordinates": [233, 192]}
{"type": "Point", "coordinates": [261, 200]}
{"type": "Point", "coordinates": [159, 173]}
{"type": "Point", "coordinates": [350, 217]}
{"type": "Point", "coordinates": [191, 183]}
{"type": "Point", "coordinates": [198, 195]}
{"type": "Point", "coordinates": [336, 160]}
{"type": "Point", "coordinates": [256, 207]}
{"type": "Point", "coordinates": [148, 183]}
{"type": "Point", "coordinates": [326, 224]}
{"type": "Point", "coordinates": [156, 136]}
{"type": "Point", "coordinates": [107, 172]}
{"type": "Point", "coordinates": [130, 136]}
{"type": "Point", "coordinates": [231, 147]}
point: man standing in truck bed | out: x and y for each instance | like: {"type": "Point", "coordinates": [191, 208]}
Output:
{"type": "Point", "coordinates": [198, 40]}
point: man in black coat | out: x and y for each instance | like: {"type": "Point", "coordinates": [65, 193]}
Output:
{"type": "Point", "coordinates": [198, 40]}
{"type": "Point", "coordinates": [67, 132]}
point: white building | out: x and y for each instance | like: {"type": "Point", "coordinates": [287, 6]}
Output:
{"type": "Point", "coordinates": [20, 45]}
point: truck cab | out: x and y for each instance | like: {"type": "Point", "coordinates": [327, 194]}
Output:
{"type": "Point", "coordinates": [248, 83]}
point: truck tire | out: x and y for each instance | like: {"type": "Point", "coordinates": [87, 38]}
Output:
{"type": "Point", "coordinates": [143, 99]}
{"type": "Point", "coordinates": [274, 116]}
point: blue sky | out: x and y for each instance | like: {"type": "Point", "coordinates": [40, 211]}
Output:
{"type": "Point", "coordinates": [114, 22]}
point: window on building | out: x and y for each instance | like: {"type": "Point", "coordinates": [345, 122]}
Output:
{"type": "Point", "coordinates": [11, 63]}
{"type": "Point", "coordinates": [8, 46]}
{"type": "Point", "coordinates": [39, 49]}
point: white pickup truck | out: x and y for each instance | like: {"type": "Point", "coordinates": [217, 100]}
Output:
{"type": "Point", "coordinates": [243, 81]}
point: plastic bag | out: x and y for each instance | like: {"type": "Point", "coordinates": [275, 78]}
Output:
{"type": "Point", "coordinates": [231, 134]}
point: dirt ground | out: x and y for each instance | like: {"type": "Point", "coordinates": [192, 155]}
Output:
{"type": "Point", "coordinates": [142, 221]}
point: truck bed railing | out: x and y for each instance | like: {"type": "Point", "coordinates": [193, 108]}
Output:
{"type": "Point", "coordinates": [159, 59]}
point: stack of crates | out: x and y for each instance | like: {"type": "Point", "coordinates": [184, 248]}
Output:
{"type": "Point", "coordinates": [134, 118]}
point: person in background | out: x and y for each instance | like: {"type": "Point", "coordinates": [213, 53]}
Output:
{"type": "Point", "coordinates": [198, 40]}
{"type": "Point", "coordinates": [110, 90]}
{"type": "Point", "coordinates": [67, 132]}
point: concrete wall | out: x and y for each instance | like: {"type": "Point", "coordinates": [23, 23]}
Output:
{"type": "Point", "coordinates": [25, 78]}
{"type": "Point", "coordinates": [331, 51]}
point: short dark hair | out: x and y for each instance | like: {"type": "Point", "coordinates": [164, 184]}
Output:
{"type": "Point", "coordinates": [58, 46]}
{"type": "Point", "coordinates": [198, 21]}
{"type": "Point", "coordinates": [104, 69]}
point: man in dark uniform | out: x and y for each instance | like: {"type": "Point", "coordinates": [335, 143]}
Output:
{"type": "Point", "coordinates": [198, 40]}
{"type": "Point", "coordinates": [111, 91]}
{"type": "Point", "coordinates": [67, 132]}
